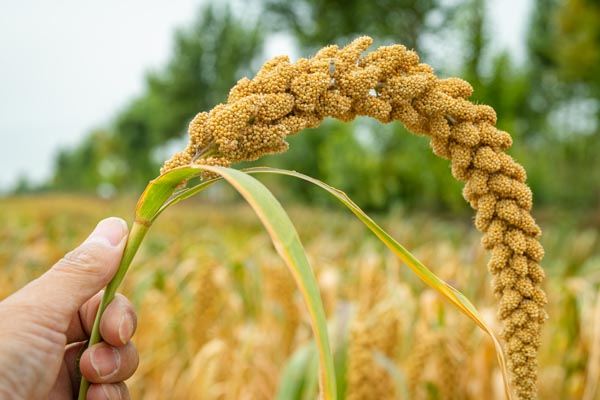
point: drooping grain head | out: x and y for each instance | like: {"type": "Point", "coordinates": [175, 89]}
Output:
{"type": "Point", "coordinates": [390, 84]}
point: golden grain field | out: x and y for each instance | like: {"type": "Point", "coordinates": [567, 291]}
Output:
{"type": "Point", "coordinates": [220, 318]}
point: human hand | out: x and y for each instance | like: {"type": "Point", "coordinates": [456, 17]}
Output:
{"type": "Point", "coordinates": [44, 326]}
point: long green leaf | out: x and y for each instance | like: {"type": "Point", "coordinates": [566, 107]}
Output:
{"type": "Point", "coordinates": [451, 294]}
{"type": "Point", "coordinates": [283, 235]}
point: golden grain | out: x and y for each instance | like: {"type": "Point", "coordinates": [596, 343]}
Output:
{"type": "Point", "coordinates": [390, 84]}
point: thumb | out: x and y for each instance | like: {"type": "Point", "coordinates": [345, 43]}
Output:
{"type": "Point", "coordinates": [80, 274]}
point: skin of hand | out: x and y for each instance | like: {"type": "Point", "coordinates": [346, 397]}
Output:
{"type": "Point", "coordinates": [44, 326]}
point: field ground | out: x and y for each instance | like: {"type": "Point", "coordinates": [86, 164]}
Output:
{"type": "Point", "coordinates": [220, 317]}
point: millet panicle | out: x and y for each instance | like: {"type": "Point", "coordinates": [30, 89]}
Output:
{"type": "Point", "coordinates": [390, 84]}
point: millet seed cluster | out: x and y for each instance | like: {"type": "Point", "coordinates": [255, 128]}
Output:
{"type": "Point", "coordinates": [390, 84]}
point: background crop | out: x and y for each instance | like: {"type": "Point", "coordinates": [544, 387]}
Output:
{"type": "Point", "coordinates": [220, 318]}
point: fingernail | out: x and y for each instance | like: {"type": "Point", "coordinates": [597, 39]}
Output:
{"type": "Point", "coordinates": [109, 231]}
{"type": "Point", "coordinates": [112, 392]}
{"type": "Point", "coordinates": [125, 328]}
{"type": "Point", "coordinates": [105, 361]}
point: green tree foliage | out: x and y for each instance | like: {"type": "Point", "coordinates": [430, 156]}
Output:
{"type": "Point", "coordinates": [549, 103]}
{"type": "Point", "coordinates": [317, 22]}
{"type": "Point", "coordinates": [85, 168]}
{"type": "Point", "coordinates": [577, 53]}
{"type": "Point", "coordinates": [563, 110]}
{"type": "Point", "coordinates": [209, 57]}
{"type": "Point", "coordinates": [564, 44]}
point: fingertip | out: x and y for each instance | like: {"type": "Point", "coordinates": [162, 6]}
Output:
{"type": "Point", "coordinates": [103, 363]}
{"type": "Point", "coordinates": [110, 231]}
{"type": "Point", "coordinates": [127, 326]}
{"type": "Point", "coordinates": [119, 322]}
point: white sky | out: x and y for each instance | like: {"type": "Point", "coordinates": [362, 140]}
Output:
{"type": "Point", "coordinates": [68, 66]}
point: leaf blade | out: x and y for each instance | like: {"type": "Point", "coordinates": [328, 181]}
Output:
{"type": "Point", "coordinates": [286, 242]}
{"type": "Point", "coordinates": [453, 295]}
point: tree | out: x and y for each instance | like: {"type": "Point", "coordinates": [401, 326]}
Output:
{"type": "Point", "coordinates": [209, 57]}
{"type": "Point", "coordinates": [577, 54]}
{"type": "Point", "coordinates": [563, 108]}
{"type": "Point", "coordinates": [81, 168]}
{"type": "Point", "coordinates": [317, 22]}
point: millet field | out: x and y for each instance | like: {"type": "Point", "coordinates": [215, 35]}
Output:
{"type": "Point", "coordinates": [220, 316]}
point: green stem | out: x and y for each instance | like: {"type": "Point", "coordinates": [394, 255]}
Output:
{"type": "Point", "coordinates": [136, 235]}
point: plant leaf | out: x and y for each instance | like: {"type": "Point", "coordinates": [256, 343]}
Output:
{"type": "Point", "coordinates": [293, 378]}
{"type": "Point", "coordinates": [454, 296]}
{"type": "Point", "coordinates": [185, 194]}
{"type": "Point", "coordinates": [152, 201]}
{"type": "Point", "coordinates": [283, 235]}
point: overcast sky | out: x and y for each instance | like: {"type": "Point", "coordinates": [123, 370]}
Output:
{"type": "Point", "coordinates": [68, 66]}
